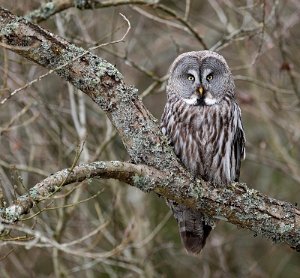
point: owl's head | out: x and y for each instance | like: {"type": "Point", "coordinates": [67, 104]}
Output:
{"type": "Point", "coordinates": [200, 78]}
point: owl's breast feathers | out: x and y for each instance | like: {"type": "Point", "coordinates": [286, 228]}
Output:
{"type": "Point", "coordinates": [209, 140]}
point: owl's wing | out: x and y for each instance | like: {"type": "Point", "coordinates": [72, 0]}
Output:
{"type": "Point", "coordinates": [239, 147]}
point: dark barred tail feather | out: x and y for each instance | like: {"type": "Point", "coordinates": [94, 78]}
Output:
{"type": "Point", "coordinates": [193, 228]}
{"type": "Point", "coordinates": [194, 240]}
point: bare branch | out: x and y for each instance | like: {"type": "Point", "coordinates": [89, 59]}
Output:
{"type": "Point", "coordinates": [47, 10]}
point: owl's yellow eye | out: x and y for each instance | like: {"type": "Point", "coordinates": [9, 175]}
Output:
{"type": "Point", "coordinates": [209, 77]}
{"type": "Point", "coordinates": [191, 77]}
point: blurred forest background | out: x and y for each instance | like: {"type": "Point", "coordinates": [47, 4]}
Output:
{"type": "Point", "coordinates": [102, 228]}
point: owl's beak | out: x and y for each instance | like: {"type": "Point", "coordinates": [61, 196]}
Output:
{"type": "Point", "coordinates": [201, 90]}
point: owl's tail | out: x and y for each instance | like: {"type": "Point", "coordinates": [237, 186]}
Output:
{"type": "Point", "coordinates": [193, 227]}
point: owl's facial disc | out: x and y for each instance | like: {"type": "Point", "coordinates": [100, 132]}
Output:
{"type": "Point", "coordinates": [200, 86]}
{"type": "Point", "coordinates": [200, 81]}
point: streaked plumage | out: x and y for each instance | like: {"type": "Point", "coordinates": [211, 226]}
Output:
{"type": "Point", "coordinates": [203, 123]}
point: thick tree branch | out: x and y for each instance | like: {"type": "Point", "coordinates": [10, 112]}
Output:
{"type": "Point", "coordinates": [142, 138]}
{"type": "Point", "coordinates": [247, 208]}
{"type": "Point", "coordinates": [122, 171]}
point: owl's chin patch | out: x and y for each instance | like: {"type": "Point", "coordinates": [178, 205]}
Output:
{"type": "Point", "coordinates": [200, 101]}
{"type": "Point", "coordinates": [191, 101]}
{"type": "Point", "coordinates": [210, 101]}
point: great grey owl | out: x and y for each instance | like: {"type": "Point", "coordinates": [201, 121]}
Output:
{"type": "Point", "coordinates": [203, 123]}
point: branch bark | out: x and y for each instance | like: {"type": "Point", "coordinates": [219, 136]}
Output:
{"type": "Point", "coordinates": [49, 9]}
{"type": "Point", "coordinates": [143, 140]}
{"type": "Point", "coordinates": [246, 208]}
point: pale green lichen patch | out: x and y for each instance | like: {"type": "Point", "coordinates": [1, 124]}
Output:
{"type": "Point", "coordinates": [12, 213]}
{"type": "Point", "coordinates": [34, 193]}
{"type": "Point", "coordinates": [195, 191]}
{"type": "Point", "coordinates": [143, 183]}
{"type": "Point", "coordinates": [10, 28]}
{"type": "Point", "coordinates": [99, 165]}
{"type": "Point", "coordinates": [285, 228]}
{"type": "Point", "coordinates": [84, 4]}
{"type": "Point", "coordinates": [45, 12]}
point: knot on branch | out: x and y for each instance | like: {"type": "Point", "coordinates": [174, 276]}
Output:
{"type": "Point", "coordinates": [108, 81]}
